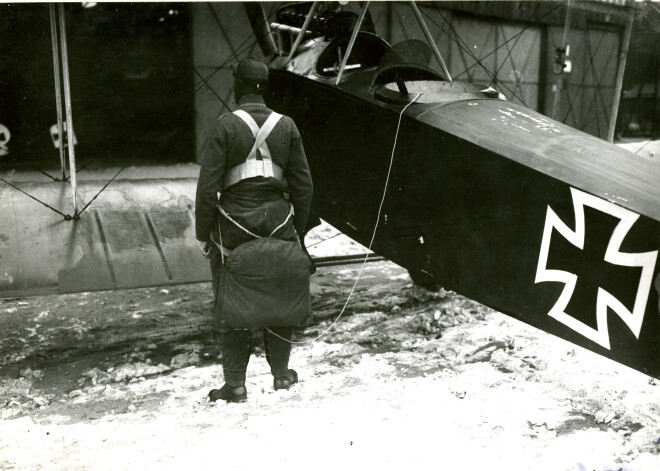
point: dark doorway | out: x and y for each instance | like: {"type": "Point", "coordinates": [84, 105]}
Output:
{"type": "Point", "coordinates": [131, 81]}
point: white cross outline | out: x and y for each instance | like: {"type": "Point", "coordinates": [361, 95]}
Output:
{"type": "Point", "coordinates": [613, 255]}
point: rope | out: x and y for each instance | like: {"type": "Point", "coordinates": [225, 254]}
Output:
{"type": "Point", "coordinates": [288, 217]}
{"type": "Point", "coordinates": [373, 236]}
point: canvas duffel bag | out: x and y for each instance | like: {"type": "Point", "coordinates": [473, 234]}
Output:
{"type": "Point", "coordinates": [265, 282]}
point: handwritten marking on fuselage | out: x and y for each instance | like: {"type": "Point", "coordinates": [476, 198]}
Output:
{"type": "Point", "coordinates": [519, 119]}
{"type": "Point", "coordinates": [625, 200]}
{"type": "Point", "coordinates": [511, 121]}
{"type": "Point", "coordinates": [646, 261]}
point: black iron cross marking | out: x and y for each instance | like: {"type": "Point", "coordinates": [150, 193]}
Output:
{"type": "Point", "coordinates": [593, 270]}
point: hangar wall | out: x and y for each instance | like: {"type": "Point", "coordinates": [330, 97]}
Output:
{"type": "Point", "coordinates": [222, 36]}
{"type": "Point", "coordinates": [508, 45]}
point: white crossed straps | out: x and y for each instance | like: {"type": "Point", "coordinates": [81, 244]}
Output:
{"type": "Point", "coordinates": [253, 167]}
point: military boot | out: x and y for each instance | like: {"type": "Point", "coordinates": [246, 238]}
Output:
{"type": "Point", "coordinates": [277, 341]}
{"type": "Point", "coordinates": [235, 358]}
{"type": "Point", "coordinates": [229, 394]}
{"type": "Point", "coordinates": [285, 382]}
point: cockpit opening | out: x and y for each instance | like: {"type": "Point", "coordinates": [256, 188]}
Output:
{"type": "Point", "coordinates": [367, 51]}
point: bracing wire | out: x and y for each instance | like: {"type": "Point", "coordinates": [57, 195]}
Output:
{"type": "Point", "coordinates": [35, 199]}
{"type": "Point", "coordinates": [214, 14]}
{"type": "Point", "coordinates": [597, 115]}
{"type": "Point", "coordinates": [515, 37]}
{"type": "Point", "coordinates": [214, 92]}
{"type": "Point", "coordinates": [582, 81]}
{"type": "Point", "coordinates": [240, 50]}
{"type": "Point", "coordinates": [597, 88]}
{"type": "Point", "coordinates": [80, 169]}
{"type": "Point", "coordinates": [237, 52]}
{"type": "Point", "coordinates": [510, 49]}
{"type": "Point", "coordinates": [321, 241]}
{"type": "Point", "coordinates": [101, 190]}
{"type": "Point", "coordinates": [373, 235]}
{"type": "Point", "coordinates": [636, 152]}
{"type": "Point", "coordinates": [45, 173]}
{"type": "Point", "coordinates": [65, 216]}
{"type": "Point", "coordinates": [461, 44]}
{"type": "Point", "coordinates": [594, 82]}
{"type": "Point", "coordinates": [465, 48]}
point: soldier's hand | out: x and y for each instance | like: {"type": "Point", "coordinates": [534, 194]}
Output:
{"type": "Point", "coordinates": [205, 248]}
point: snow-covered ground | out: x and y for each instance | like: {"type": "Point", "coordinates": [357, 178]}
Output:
{"type": "Point", "coordinates": [407, 379]}
{"type": "Point", "coordinates": [326, 241]}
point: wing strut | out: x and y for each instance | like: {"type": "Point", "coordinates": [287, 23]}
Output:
{"type": "Point", "coordinates": [356, 30]}
{"type": "Point", "coordinates": [67, 98]}
{"type": "Point", "coordinates": [429, 39]}
{"type": "Point", "coordinates": [58, 85]}
{"type": "Point", "coordinates": [564, 45]}
{"type": "Point", "coordinates": [69, 115]}
{"type": "Point", "coordinates": [259, 22]}
{"type": "Point", "coordinates": [619, 77]}
{"type": "Point", "coordinates": [301, 35]}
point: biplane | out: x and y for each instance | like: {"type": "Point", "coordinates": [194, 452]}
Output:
{"type": "Point", "coordinates": [449, 179]}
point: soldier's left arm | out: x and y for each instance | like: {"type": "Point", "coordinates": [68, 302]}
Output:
{"type": "Point", "coordinates": [214, 158]}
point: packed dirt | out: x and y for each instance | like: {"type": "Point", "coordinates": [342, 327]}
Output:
{"type": "Point", "coordinates": [407, 378]}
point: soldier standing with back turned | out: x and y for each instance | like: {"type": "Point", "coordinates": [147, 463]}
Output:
{"type": "Point", "coordinates": [252, 180]}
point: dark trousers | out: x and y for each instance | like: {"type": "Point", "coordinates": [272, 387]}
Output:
{"type": "Point", "coordinates": [237, 343]}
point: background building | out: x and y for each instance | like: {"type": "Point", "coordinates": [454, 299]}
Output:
{"type": "Point", "coordinates": [148, 78]}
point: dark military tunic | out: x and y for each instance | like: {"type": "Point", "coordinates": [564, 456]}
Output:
{"type": "Point", "coordinates": [257, 203]}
